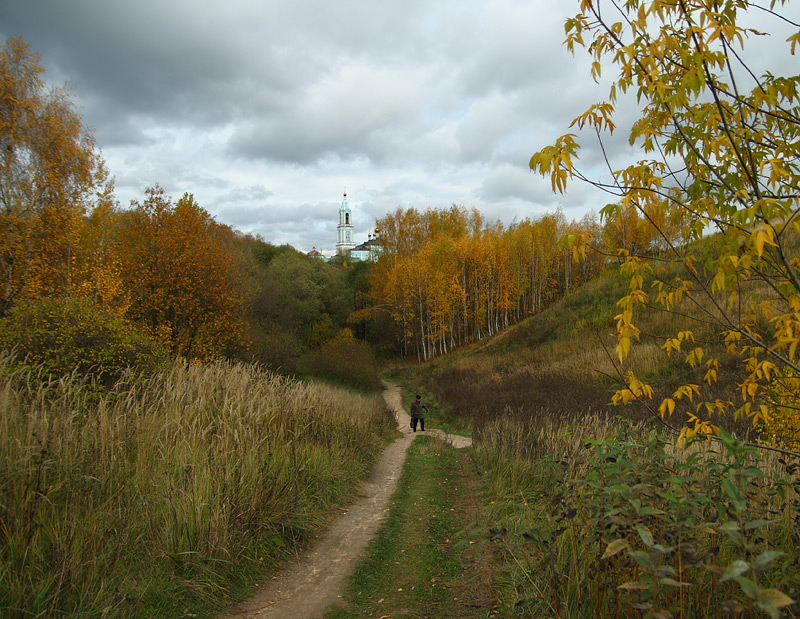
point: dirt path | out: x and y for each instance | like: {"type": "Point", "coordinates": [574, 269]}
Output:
{"type": "Point", "coordinates": [307, 586]}
{"type": "Point", "coordinates": [394, 399]}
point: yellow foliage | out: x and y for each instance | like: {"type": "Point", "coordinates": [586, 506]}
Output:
{"type": "Point", "coordinates": [715, 159]}
{"type": "Point", "coordinates": [47, 176]}
{"type": "Point", "coordinates": [447, 277]}
{"type": "Point", "coordinates": [780, 425]}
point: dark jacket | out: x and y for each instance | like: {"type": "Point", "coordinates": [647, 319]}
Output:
{"type": "Point", "coordinates": [416, 409]}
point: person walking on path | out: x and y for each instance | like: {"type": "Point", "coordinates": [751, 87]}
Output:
{"type": "Point", "coordinates": [416, 414]}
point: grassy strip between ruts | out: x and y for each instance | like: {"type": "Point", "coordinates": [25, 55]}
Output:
{"type": "Point", "coordinates": [420, 564]}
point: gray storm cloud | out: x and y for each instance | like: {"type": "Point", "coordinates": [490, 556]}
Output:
{"type": "Point", "coordinates": [265, 111]}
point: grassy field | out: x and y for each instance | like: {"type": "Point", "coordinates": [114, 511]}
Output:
{"type": "Point", "coordinates": [168, 496]}
{"type": "Point", "coordinates": [593, 508]}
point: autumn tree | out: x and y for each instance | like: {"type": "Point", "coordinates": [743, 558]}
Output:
{"type": "Point", "coordinates": [313, 298]}
{"type": "Point", "coordinates": [720, 142]}
{"type": "Point", "coordinates": [48, 170]}
{"type": "Point", "coordinates": [447, 277]}
{"type": "Point", "coordinates": [179, 276]}
{"type": "Point", "coordinates": [96, 266]}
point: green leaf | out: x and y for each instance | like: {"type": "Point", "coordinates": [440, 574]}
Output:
{"type": "Point", "coordinates": [736, 569]}
{"type": "Point", "coordinates": [732, 530]}
{"type": "Point", "coordinates": [769, 608]}
{"type": "Point", "coordinates": [766, 558]}
{"type": "Point", "coordinates": [753, 471]}
{"type": "Point", "coordinates": [645, 535]}
{"type": "Point", "coordinates": [665, 570]}
{"type": "Point", "coordinates": [756, 524]}
{"type": "Point", "coordinates": [748, 586]}
{"type": "Point", "coordinates": [642, 559]}
{"type": "Point", "coordinates": [727, 440]}
{"type": "Point", "coordinates": [623, 490]}
{"type": "Point", "coordinates": [649, 511]}
{"type": "Point", "coordinates": [732, 490]}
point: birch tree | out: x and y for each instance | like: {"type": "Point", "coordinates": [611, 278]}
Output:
{"type": "Point", "coordinates": [721, 154]}
{"type": "Point", "coordinates": [47, 175]}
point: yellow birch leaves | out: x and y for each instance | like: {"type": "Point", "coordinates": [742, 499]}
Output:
{"type": "Point", "coordinates": [718, 185]}
{"type": "Point", "coordinates": [47, 174]}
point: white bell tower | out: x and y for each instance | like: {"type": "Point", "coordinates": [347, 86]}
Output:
{"type": "Point", "coordinates": [345, 229]}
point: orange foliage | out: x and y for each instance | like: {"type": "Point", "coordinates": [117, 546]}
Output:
{"type": "Point", "coordinates": [180, 276]}
{"type": "Point", "coordinates": [47, 165]}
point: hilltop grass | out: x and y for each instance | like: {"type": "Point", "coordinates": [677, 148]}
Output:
{"type": "Point", "coordinates": [169, 495]}
{"type": "Point", "coordinates": [422, 563]}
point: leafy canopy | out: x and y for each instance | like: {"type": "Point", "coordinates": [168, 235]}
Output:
{"type": "Point", "coordinates": [721, 148]}
{"type": "Point", "coordinates": [48, 173]}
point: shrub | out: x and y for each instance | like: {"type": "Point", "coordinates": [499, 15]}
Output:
{"type": "Point", "coordinates": [71, 335]}
{"type": "Point", "coordinates": [625, 525]}
{"type": "Point", "coordinates": [344, 360]}
{"type": "Point", "coordinates": [278, 350]}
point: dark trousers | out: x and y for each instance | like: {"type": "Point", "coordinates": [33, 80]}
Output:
{"type": "Point", "coordinates": [414, 421]}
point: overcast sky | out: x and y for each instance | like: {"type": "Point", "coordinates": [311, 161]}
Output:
{"type": "Point", "coordinates": [266, 110]}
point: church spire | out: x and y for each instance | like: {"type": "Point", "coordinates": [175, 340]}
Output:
{"type": "Point", "coordinates": [345, 228]}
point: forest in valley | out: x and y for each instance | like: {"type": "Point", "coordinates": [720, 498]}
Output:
{"type": "Point", "coordinates": [163, 268]}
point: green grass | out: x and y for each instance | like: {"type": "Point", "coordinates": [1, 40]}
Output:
{"type": "Point", "coordinates": [421, 564]}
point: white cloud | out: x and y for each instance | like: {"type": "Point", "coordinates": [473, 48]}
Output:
{"type": "Point", "coordinates": [266, 111]}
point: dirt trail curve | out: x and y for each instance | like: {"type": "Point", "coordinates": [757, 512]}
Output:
{"type": "Point", "coordinates": [308, 585]}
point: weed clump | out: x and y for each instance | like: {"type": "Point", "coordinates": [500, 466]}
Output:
{"type": "Point", "coordinates": [345, 361]}
{"type": "Point", "coordinates": [62, 336]}
{"type": "Point", "coordinates": [623, 524]}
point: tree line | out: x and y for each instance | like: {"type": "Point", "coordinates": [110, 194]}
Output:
{"type": "Point", "coordinates": [448, 277]}
{"type": "Point", "coordinates": [199, 287]}
{"type": "Point", "coordinates": [202, 289]}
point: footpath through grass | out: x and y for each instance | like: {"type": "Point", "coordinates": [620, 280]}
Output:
{"type": "Point", "coordinates": [421, 564]}
{"type": "Point", "coordinates": [169, 495]}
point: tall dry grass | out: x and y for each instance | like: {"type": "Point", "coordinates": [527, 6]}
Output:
{"type": "Point", "coordinates": [165, 494]}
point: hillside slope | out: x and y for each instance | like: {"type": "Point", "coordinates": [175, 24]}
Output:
{"type": "Point", "coordinates": [562, 364]}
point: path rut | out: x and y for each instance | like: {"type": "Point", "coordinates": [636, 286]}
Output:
{"type": "Point", "coordinates": [313, 581]}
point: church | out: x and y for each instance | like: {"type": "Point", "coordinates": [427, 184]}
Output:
{"type": "Point", "coordinates": [345, 245]}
